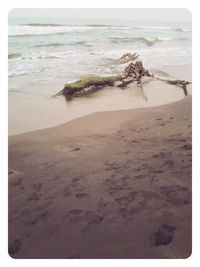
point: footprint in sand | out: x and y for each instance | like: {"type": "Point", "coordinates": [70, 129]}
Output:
{"type": "Point", "coordinates": [163, 236]}
{"type": "Point", "coordinates": [76, 149]}
{"type": "Point", "coordinates": [187, 147]}
{"type": "Point", "coordinates": [81, 195]}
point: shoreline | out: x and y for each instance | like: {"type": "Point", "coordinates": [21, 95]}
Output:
{"type": "Point", "coordinates": [59, 111]}
{"type": "Point", "coordinates": [96, 114]}
{"type": "Point", "coordinates": [114, 179]}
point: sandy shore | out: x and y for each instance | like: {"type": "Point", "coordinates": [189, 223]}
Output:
{"type": "Point", "coordinates": [110, 185]}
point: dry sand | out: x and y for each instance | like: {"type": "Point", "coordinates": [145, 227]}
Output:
{"type": "Point", "coordinates": [110, 185]}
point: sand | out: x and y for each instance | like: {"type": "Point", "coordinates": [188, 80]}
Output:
{"type": "Point", "coordinates": [109, 185]}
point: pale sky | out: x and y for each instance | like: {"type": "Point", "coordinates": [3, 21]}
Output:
{"type": "Point", "coordinates": [152, 14]}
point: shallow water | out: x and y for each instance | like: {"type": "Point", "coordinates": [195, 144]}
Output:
{"type": "Point", "coordinates": [38, 113]}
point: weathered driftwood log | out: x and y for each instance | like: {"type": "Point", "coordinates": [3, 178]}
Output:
{"type": "Point", "coordinates": [133, 73]}
{"type": "Point", "coordinates": [87, 85]}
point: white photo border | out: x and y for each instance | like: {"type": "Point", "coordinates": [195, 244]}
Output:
{"type": "Point", "coordinates": [6, 6]}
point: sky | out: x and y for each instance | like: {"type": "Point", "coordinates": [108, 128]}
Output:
{"type": "Point", "coordinates": [151, 14]}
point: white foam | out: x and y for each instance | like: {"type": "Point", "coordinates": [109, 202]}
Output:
{"type": "Point", "coordinates": [154, 27]}
{"type": "Point", "coordinates": [17, 73]}
{"type": "Point", "coordinates": [20, 30]}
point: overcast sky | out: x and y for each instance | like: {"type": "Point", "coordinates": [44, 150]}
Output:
{"type": "Point", "coordinates": [152, 14]}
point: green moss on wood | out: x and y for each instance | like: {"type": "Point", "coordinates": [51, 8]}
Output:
{"type": "Point", "coordinates": [89, 81]}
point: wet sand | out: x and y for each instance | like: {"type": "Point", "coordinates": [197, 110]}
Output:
{"type": "Point", "coordinates": [112, 184]}
{"type": "Point", "coordinates": [34, 110]}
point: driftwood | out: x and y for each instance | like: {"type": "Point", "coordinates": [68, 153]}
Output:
{"type": "Point", "coordinates": [127, 58]}
{"type": "Point", "coordinates": [181, 83]}
{"type": "Point", "coordinates": [133, 73]}
{"type": "Point", "coordinates": [87, 85]}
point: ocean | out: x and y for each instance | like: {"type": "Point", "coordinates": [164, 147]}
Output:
{"type": "Point", "coordinates": [44, 54]}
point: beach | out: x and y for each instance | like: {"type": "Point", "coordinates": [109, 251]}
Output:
{"type": "Point", "coordinates": [113, 184]}
{"type": "Point", "coordinates": [100, 134]}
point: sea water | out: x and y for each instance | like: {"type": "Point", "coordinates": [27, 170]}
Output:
{"type": "Point", "coordinates": [44, 54]}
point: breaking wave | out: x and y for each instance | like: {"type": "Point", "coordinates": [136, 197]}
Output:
{"type": "Point", "coordinates": [43, 55]}
{"type": "Point", "coordinates": [41, 29]}
{"type": "Point", "coordinates": [19, 73]}
{"type": "Point", "coordinates": [146, 40]}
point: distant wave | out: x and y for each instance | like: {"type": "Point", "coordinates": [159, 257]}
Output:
{"type": "Point", "coordinates": [152, 40]}
{"type": "Point", "coordinates": [83, 43]}
{"type": "Point", "coordinates": [30, 30]}
{"type": "Point", "coordinates": [125, 39]}
{"type": "Point", "coordinates": [105, 26]}
{"type": "Point", "coordinates": [146, 40]}
{"type": "Point", "coordinates": [42, 55]}
{"type": "Point", "coordinates": [162, 28]}
{"type": "Point", "coordinates": [153, 27]}
{"type": "Point", "coordinates": [23, 73]}
{"type": "Point", "coordinates": [42, 24]}
{"type": "Point", "coordinates": [49, 44]}
{"type": "Point", "coordinates": [19, 73]}
{"type": "Point", "coordinates": [52, 55]}
{"type": "Point", "coordinates": [85, 25]}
